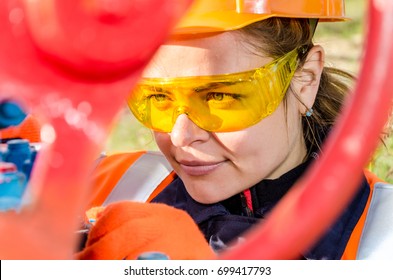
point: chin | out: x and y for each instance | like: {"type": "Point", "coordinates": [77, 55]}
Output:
{"type": "Point", "coordinates": [206, 197]}
{"type": "Point", "coordinates": [207, 190]}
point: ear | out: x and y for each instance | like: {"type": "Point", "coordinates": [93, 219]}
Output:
{"type": "Point", "coordinates": [306, 81]}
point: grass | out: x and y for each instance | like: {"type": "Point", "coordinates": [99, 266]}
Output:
{"type": "Point", "coordinates": [343, 43]}
{"type": "Point", "coordinates": [129, 135]}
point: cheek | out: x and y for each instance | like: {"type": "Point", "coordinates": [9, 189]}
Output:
{"type": "Point", "coordinates": [265, 136]}
{"type": "Point", "coordinates": [163, 141]}
{"type": "Point", "coordinates": [260, 147]}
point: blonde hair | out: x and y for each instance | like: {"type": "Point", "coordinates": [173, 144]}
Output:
{"type": "Point", "coordinates": [275, 37]}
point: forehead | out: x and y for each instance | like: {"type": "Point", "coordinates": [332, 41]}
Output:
{"type": "Point", "coordinates": [220, 53]}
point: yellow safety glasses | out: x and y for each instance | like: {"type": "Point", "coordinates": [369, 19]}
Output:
{"type": "Point", "coordinates": [218, 103]}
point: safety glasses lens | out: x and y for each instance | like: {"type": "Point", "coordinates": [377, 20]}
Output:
{"type": "Point", "coordinates": [220, 103]}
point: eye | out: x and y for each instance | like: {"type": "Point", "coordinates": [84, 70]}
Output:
{"type": "Point", "coordinates": [217, 96]}
{"type": "Point", "coordinates": [222, 100]}
{"type": "Point", "coordinates": [158, 97]}
{"type": "Point", "coordinates": [161, 101]}
{"type": "Point", "coordinates": [221, 96]}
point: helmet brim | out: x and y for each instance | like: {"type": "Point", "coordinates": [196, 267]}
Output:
{"type": "Point", "coordinates": [218, 21]}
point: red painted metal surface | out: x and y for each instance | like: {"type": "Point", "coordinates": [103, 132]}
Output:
{"type": "Point", "coordinates": [319, 197]}
{"type": "Point", "coordinates": [71, 64]}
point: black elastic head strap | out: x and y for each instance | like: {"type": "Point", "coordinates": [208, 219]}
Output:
{"type": "Point", "coordinates": [303, 50]}
{"type": "Point", "coordinates": [313, 25]}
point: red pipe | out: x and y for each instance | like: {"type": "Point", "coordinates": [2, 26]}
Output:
{"type": "Point", "coordinates": [319, 197]}
{"type": "Point", "coordinates": [71, 64]}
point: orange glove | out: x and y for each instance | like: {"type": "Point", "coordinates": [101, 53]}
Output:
{"type": "Point", "coordinates": [125, 230]}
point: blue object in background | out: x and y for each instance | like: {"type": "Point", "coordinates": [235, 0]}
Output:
{"type": "Point", "coordinates": [16, 160]}
{"type": "Point", "coordinates": [12, 186]}
{"type": "Point", "coordinates": [11, 114]}
{"type": "Point", "coordinates": [153, 256]}
{"type": "Point", "coordinates": [17, 157]}
{"type": "Point", "coordinates": [21, 154]}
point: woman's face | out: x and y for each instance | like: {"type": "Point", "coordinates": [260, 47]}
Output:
{"type": "Point", "coordinates": [215, 166]}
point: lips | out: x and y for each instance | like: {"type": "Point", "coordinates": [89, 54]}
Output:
{"type": "Point", "coordinates": [198, 168]}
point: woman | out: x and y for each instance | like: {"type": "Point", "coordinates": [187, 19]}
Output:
{"type": "Point", "coordinates": [240, 103]}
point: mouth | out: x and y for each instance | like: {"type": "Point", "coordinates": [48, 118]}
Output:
{"type": "Point", "coordinates": [197, 168]}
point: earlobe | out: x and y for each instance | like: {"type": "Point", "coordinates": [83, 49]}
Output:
{"type": "Point", "coordinates": [308, 78]}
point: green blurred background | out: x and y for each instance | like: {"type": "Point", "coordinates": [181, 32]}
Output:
{"type": "Point", "coordinates": [343, 43]}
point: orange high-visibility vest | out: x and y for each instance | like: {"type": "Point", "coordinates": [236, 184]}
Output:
{"type": "Point", "coordinates": [372, 237]}
{"type": "Point", "coordinates": [136, 176]}
{"type": "Point", "coordinates": [140, 176]}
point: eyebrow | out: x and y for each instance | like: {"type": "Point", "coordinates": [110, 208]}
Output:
{"type": "Point", "coordinates": [201, 88]}
{"type": "Point", "coordinates": [156, 89]}
{"type": "Point", "coordinates": [214, 85]}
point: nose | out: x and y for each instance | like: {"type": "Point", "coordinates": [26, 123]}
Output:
{"type": "Point", "coordinates": [185, 132]}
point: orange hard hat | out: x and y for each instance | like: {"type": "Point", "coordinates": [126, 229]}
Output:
{"type": "Point", "coordinates": [223, 15]}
